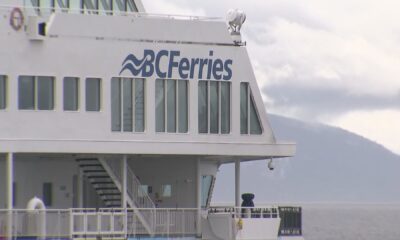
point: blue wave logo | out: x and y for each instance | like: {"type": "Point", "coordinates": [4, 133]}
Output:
{"type": "Point", "coordinates": [134, 65]}
{"type": "Point", "coordinates": [167, 64]}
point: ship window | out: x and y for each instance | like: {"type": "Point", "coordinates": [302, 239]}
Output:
{"type": "Point", "coordinates": [3, 92]}
{"type": "Point", "coordinates": [183, 108]}
{"type": "Point", "coordinates": [71, 93]}
{"type": "Point", "coordinates": [249, 119]}
{"type": "Point", "coordinates": [46, 5]}
{"type": "Point", "coordinates": [45, 93]}
{"type": "Point", "coordinates": [26, 92]}
{"type": "Point", "coordinates": [118, 6]}
{"type": "Point", "coordinates": [105, 6]}
{"type": "Point", "coordinates": [203, 107]}
{"type": "Point", "coordinates": [36, 93]}
{"type": "Point", "coordinates": [32, 7]}
{"type": "Point", "coordinates": [131, 6]}
{"type": "Point", "coordinates": [93, 94]}
{"type": "Point", "coordinates": [127, 104]}
{"type": "Point", "coordinates": [160, 106]}
{"type": "Point", "coordinates": [214, 106]}
{"type": "Point", "coordinates": [61, 5]}
{"type": "Point", "coordinates": [47, 194]}
{"type": "Point", "coordinates": [206, 183]}
{"type": "Point", "coordinates": [225, 107]}
{"type": "Point", "coordinates": [166, 190]}
{"type": "Point", "coordinates": [75, 6]}
{"type": "Point", "coordinates": [143, 190]}
{"type": "Point", "coordinates": [171, 105]}
{"type": "Point", "coordinates": [90, 6]}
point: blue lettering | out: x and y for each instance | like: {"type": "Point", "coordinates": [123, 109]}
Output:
{"type": "Point", "coordinates": [228, 70]}
{"type": "Point", "coordinates": [172, 62]}
{"type": "Point", "coordinates": [186, 68]}
{"type": "Point", "coordinates": [162, 53]}
{"type": "Point", "coordinates": [218, 68]}
{"type": "Point", "coordinates": [195, 61]}
{"type": "Point", "coordinates": [201, 67]}
{"type": "Point", "coordinates": [147, 65]}
{"type": "Point", "coordinates": [183, 68]}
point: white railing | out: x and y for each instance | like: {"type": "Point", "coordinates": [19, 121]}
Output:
{"type": "Point", "coordinates": [246, 212]}
{"type": "Point", "coordinates": [46, 12]}
{"type": "Point", "coordinates": [72, 223]}
{"type": "Point", "coordinates": [37, 223]}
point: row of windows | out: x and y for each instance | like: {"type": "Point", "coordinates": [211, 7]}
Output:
{"type": "Point", "coordinates": [128, 103]}
{"type": "Point", "coordinates": [84, 6]}
{"type": "Point", "coordinates": [37, 93]}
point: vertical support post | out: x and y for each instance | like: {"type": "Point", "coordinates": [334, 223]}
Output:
{"type": "Point", "coordinates": [124, 166]}
{"type": "Point", "coordinates": [80, 188]}
{"type": "Point", "coordinates": [124, 193]}
{"type": "Point", "coordinates": [10, 192]}
{"type": "Point", "coordinates": [237, 183]}
{"type": "Point", "coordinates": [198, 194]}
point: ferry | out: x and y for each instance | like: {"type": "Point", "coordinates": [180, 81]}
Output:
{"type": "Point", "coordinates": [114, 123]}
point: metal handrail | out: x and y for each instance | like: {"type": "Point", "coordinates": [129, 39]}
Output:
{"type": "Point", "coordinates": [47, 11]}
{"type": "Point", "coordinates": [104, 222]}
{"type": "Point", "coordinates": [246, 212]}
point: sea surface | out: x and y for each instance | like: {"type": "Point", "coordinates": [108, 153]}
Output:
{"type": "Point", "coordinates": [351, 222]}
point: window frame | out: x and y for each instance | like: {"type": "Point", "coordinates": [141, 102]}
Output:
{"type": "Point", "coordinates": [78, 94]}
{"type": "Point", "coordinates": [5, 97]}
{"type": "Point", "coordinates": [219, 84]}
{"type": "Point", "coordinates": [36, 93]}
{"type": "Point", "coordinates": [133, 103]}
{"type": "Point", "coordinates": [165, 187]}
{"type": "Point", "coordinates": [250, 100]}
{"type": "Point", "coordinates": [100, 95]}
{"type": "Point", "coordinates": [177, 108]}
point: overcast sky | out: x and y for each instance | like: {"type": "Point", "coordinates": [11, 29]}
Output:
{"type": "Point", "coordinates": [335, 62]}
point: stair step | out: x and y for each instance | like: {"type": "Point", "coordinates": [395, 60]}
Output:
{"type": "Point", "coordinates": [95, 171]}
{"type": "Point", "coordinates": [98, 176]}
{"type": "Point", "coordinates": [110, 194]}
{"type": "Point", "coordinates": [114, 206]}
{"type": "Point", "coordinates": [86, 159]}
{"type": "Point", "coordinates": [90, 165]}
{"type": "Point", "coordinates": [106, 188]}
{"type": "Point", "coordinates": [98, 183]}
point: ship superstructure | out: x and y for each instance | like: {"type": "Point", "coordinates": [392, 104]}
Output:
{"type": "Point", "coordinates": [114, 122]}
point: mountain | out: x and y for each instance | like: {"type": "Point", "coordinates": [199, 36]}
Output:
{"type": "Point", "coordinates": [331, 165]}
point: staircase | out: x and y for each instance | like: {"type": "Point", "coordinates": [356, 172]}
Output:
{"type": "Point", "coordinates": [106, 177]}
{"type": "Point", "coordinates": [101, 181]}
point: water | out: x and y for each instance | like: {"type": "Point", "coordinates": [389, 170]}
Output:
{"type": "Point", "coordinates": [351, 222]}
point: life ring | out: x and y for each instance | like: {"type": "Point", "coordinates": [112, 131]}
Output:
{"type": "Point", "coordinates": [16, 19]}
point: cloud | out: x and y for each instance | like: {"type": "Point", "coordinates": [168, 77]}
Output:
{"type": "Point", "coordinates": [381, 126]}
{"type": "Point", "coordinates": [313, 103]}
{"type": "Point", "coordinates": [170, 7]}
